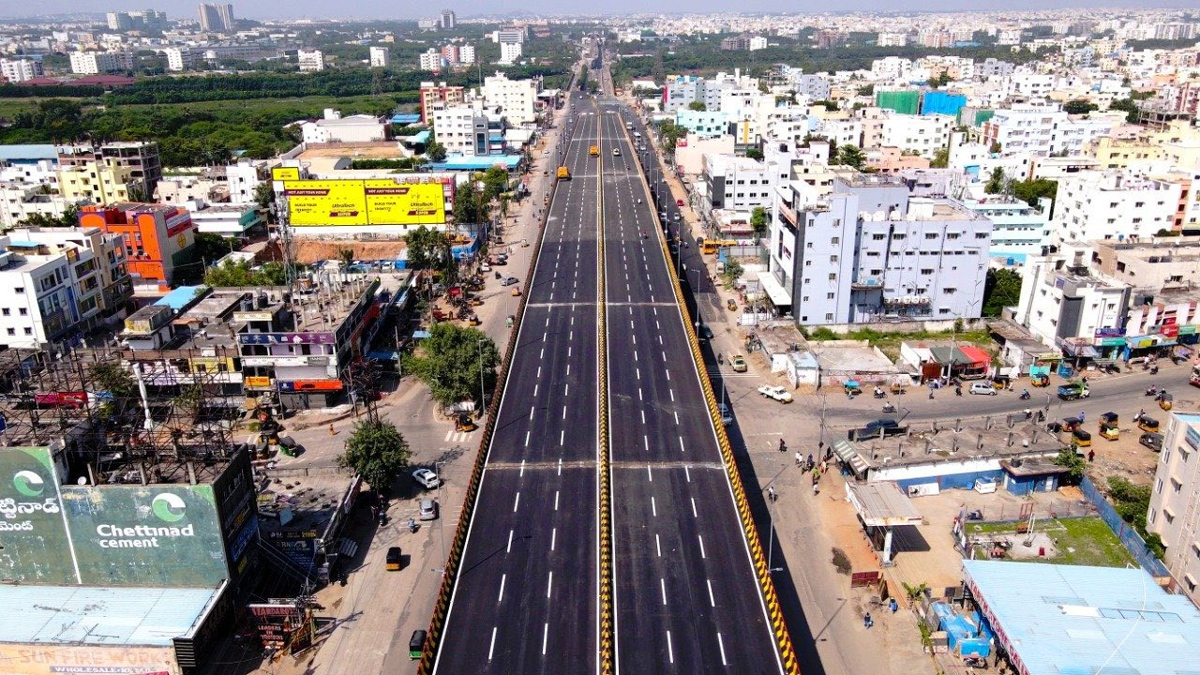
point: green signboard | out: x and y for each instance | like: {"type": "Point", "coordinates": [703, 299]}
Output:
{"type": "Point", "coordinates": [34, 548]}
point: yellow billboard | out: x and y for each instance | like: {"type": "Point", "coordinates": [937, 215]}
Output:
{"type": "Point", "coordinates": [325, 202]}
{"type": "Point", "coordinates": [285, 173]}
{"type": "Point", "coordinates": [391, 202]}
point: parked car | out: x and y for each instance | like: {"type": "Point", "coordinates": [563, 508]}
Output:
{"type": "Point", "coordinates": [983, 388]}
{"type": "Point", "coordinates": [705, 332]}
{"type": "Point", "coordinates": [395, 560]}
{"type": "Point", "coordinates": [738, 362]}
{"type": "Point", "coordinates": [1152, 440]}
{"type": "Point", "coordinates": [426, 478]}
{"type": "Point", "coordinates": [508, 281]}
{"type": "Point", "coordinates": [778, 393]}
{"type": "Point", "coordinates": [428, 510]}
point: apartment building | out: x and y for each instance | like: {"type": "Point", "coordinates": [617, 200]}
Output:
{"type": "Point", "coordinates": [159, 240]}
{"type": "Point", "coordinates": [1061, 298]}
{"type": "Point", "coordinates": [380, 57]}
{"type": "Point", "coordinates": [21, 200]}
{"type": "Point", "coordinates": [510, 53]}
{"type": "Point", "coordinates": [924, 135]}
{"type": "Point", "coordinates": [1174, 513]}
{"type": "Point", "coordinates": [448, 20]}
{"type": "Point", "coordinates": [139, 160]}
{"type": "Point", "coordinates": [179, 58]}
{"type": "Point", "coordinates": [217, 18]}
{"type": "Point", "coordinates": [462, 131]}
{"type": "Point", "coordinates": [1113, 205]}
{"type": "Point", "coordinates": [1018, 229]}
{"type": "Point", "coordinates": [703, 123]}
{"type": "Point", "coordinates": [439, 97]}
{"type": "Point", "coordinates": [515, 98]}
{"type": "Point", "coordinates": [1023, 128]}
{"type": "Point", "coordinates": [310, 60]}
{"type": "Point", "coordinates": [244, 178]}
{"type": "Point", "coordinates": [20, 70]}
{"type": "Point", "coordinates": [866, 251]}
{"type": "Point", "coordinates": [99, 63]}
{"type": "Point", "coordinates": [431, 60]}
{"type": "Point", "coordinates": [466, 55]}
{"type": "Point", "coordinates": [738, 183]}
{"type": "Point", "coordinates": [59, 282]}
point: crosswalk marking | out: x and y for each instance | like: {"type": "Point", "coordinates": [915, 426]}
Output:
{"type": "Point", "coordinates": [453, 436]}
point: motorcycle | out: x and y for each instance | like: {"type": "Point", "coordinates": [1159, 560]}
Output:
{"type": "Point", "coordinates": [889, 408]}
{"type": "Point", "coordinates": [1154, 370]}
{"type": "Point", "coordinates": [413, 526]}
{"type": "Point", "coordinates": [879, 393]}
{"type": "Point", "coordinates": [721, 359]}
{"type": "Point", "coordinates": [1152, 391]}
{"type": "Point", "coordinates": [975, 662]}
{"type": "Point", "coordinates": [1024, 395]}
{"type": "Point", "coordinates": [497, 275]}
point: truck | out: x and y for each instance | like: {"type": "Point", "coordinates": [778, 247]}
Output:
{"type": "Point", "coordinates": [564, 173]}
{"type": "Point", "coordinates": [1073, 390]}
{"type": "Point", "coordinates": [594, 151]}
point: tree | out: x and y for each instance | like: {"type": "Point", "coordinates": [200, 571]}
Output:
{"type": "Point", "coordinates": [940, 81]}
{"type": "Point", "coordinates": [424, 248]}
{"type": "Point", "coordinates": [758, 221]}
{"type": "Point", "coordinates": [449, 362]}
{"type": "Point", "coordinates": [1030, 191]}
{"type": "Point", "coordinates": [995, 184]}
{"type": "Point", "coordinates": [1001, 289]}
{"type": "Point", "coordinates": [469, 205]}
{"type": "Point", "coordinates": [1069, 458]}
{"type": "Point", "coordinates": [495, 181]}
{"type": "Point", "coordinates": [346, 255]}
{"type": "Point", "coordinates": [1129, 107]}
{"type": "Point", "coordinates": [994, 148]}
{"type": "Point", "coordinates": [698, 106]}
{"type": "Point", "coordinates": [1079, 106]}
{"type": "Point", "coordinates": [117, 385]}
{"type": "Point", "coordinates": [733, 271]}
{"type": "Point", "coordinates": [264, 196]}
{"type": "Point", "coordinates": [851, 155]}
{"type": "Point", "coordinates": [754, 153]}
{"type": "Point", "coordinates": [241, 275]}
{"type": "Point", "coordinates": [69, 218]}
{"type": "Point", "coordinates": [866, 90]}
{"type": "Point", "coordinates": [212, 247]}
{"type": "Point", "coordinates": [435, 151]}
{"type": "Point", "coordinates": [376, 451]}
{"type": "Point", "coordinates": [941, 159]}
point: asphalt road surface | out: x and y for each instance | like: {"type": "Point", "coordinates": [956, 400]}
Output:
{"type": "Point", "coordinates": [526, 597]}
{"type": "Point", "coordinates": [687, 599]}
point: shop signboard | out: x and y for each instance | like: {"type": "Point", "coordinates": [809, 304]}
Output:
{"type": "Point", "coordinates": [286, 338]}
{"type": "Point", "coordinates": [36, 546]}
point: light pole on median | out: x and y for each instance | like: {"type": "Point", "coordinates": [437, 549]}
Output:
{"type": "Point", "coordinates": [437, 468]}
{"type": "Point", "coordinates": [482, 391]}
{"type": "Point", "coordinates": [771, 521]}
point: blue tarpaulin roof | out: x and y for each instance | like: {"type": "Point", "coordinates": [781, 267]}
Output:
{"type": "Point", "coordinates": [406, 118]}
{"type": "Point", "coordinates": [179, 298]}
{"type": "Point", "coordinates": [29, 152]}
{"type": "Point", "coordinates": [422, 137]}
{"type": "Point", "coordinates": [464, 163]}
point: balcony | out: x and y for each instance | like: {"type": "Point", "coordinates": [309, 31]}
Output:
{"type": "Point", "coordinates": [788, 214]}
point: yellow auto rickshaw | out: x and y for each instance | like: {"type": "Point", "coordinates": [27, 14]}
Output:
{"type": "Point", "coordinates": [1082, 438]}
{"type": "Point", "coordinates": [1040, 381]}
{"type": "Point", "coordinates": [1111, 433]}
{"type": "Point", "coordinates": [1148, 424]}
{"type": "Point", "coordinates": [1070, 424]}
{"type": "Point", "coordinates": [1165, 401]}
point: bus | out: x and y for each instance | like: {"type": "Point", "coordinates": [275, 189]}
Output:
{"type": "Point", "coordinates": [710, 246]}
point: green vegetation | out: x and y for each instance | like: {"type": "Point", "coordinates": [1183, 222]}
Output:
{"type": "Point", "coordinates": [449, 363]}
{"type": "Point", "coordinates": [1079, 541]}
{"type": "Point", "coordinates": [758, 221]}
{"type": "Point", "coordinates": [698, 106]}
{"type": "Point", "coordinates": [241, 275]}
{"type": "Point", "coordinates": [1030, 191]}
{"type": "Point", "coordinates": [733, 270]}
{"type": "Point", "coordinates": [995, 184]}
{"type": "Point", "coordinates": [941, 159]}
{"type": "Point", "coordinates": [1132, 502]}
{"type": "Point", "coordinates": [851, 155]}
{"type": "Point", "coordinates": [401, 164]}
{"type": "Point", "coordinates": [377, 451]}
{"type": "Point", "coordinates": [1079, 106]}
{"type": "Point", "coordinates": [1002, 289]}
{"type": "Point", "coordinates": [754, 153]}
{"type": "Point", "coordinates": [110, 377]}
{"type": "Point", "coordinates": [212, 247]}
{"type": "Point", "coordinates": [669, 133]}
{"type": "Point", "coordinates": [1069, 458]}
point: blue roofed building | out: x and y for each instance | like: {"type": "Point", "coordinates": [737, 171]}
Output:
{"type": "Point", "coordinates": [1070, 619]}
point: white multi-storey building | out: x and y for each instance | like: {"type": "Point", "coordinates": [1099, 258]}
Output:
{"type": "Point", "coordinates": [461, 130]}
{"type": "Point", "coordinates": [179, 58]}
{"type": "Point", "coordinates": [1024, 128]}
{"type": "Point", "coordinates": [1113, 205]}
{"type": "Point", "coordinates": [466, 54]}
{"type": "Point", "coordinates": [738, 183]}
{"type": "Point", "coordinates": [1018, 229]}
{"type": "Point", "coordinates": [509, 53]}
{"type": "Point", "coordinates": [310, 60]}
{"type": "Point", "coordinates": [431, 60]}
{"type": "Point", "coordinates": [1061, 298]}
{"type": "Point", "coordinates": [923, 134]}
{"type": "Point", "coordinates": [96, 63]}
{"type": "Point", "coordinates": [20, 70]}
{"type": "Point", "coordinates": [381, 57]}
{"type": "Point", "coordinates": [1174, 513]}
{"type": "Point", "coordinates": [515, 98]}
{"type": "Point", "coordinates": [866, 251]}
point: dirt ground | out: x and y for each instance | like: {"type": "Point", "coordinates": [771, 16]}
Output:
{"type": "Point", "coordinates": [1125, 456]}
{"type": "Point", "coordinates": [309, 251]}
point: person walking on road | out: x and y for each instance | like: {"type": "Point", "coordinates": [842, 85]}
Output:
{"type": "Point", "coordinates": [771, 494]}
{"type": "Point", "coordinates": [799, 459]}
{"type": "Point", "coordinates": [782, 446]}
{"type": "Point", "coordinates": [867, 620]}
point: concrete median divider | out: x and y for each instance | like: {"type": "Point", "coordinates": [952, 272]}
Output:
{"type": "Point", "coordinates": [458, 545]}
{"type": "Point", "coordinates": [607, 647]}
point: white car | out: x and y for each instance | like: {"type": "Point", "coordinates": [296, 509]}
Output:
{"type": "Point", "coordinates": [778, 393]}
{"type": "Point", "coordinates": [426, 478]}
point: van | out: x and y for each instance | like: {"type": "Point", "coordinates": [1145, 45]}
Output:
{"type": "Point", "coordinates": [983, 388]}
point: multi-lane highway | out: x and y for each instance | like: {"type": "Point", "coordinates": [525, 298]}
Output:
{"type": "Point", "coordinates": [527, 599]}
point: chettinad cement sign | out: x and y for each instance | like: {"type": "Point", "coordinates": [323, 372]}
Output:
{"type": "Point", "coordinates": [115, 535]}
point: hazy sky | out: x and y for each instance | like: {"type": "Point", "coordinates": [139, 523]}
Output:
{"type": "Point", "coordinates": [384, 9]}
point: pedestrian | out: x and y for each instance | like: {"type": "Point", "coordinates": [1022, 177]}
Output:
{"type": "Point", "coordinates": [771, 493]}
{"type": "Point", "coordinates": [331, 431]}
{"type": "Point", "coordinates": [1091, 455]}
{"type": "Point", "coordinates": [1080, 416]}
{"type": "Point", "coordinates": [931, 393]}
{"type": "Point", "coordinates": [799, 459]}
{"type": "Point", "coordinates": [893, 605]}
{"type": "Point", "coordinates": [867, 621]}
{"type": "Point", "coordinates": [810, 460]}
{"type": "Point", "coordinates": [824, 465]}
{"type": "Point", "coordinates": [782, 446]}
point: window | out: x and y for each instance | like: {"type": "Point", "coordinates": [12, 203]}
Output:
{"type": "Point", "coordinates": [926, 270]}
{"type": "Point", "coordinates": [20, 289]}
{"type": "Point", "coordinates": [931, 235]}
{"type": "Point", "coordinates": [23, 312]}
{"type": "Point", "coordinates": [878, 237]}
{"type": "Point", "coordinates": [1158, 485]}
{"type": "Point", "coordinates": [835, 241]}
{"type": "Point", "coordinates": [829, 296]}
{"type": "Point", "coordinates": [833, 258]}
{"type": "Point", "coordinates": [29, 331]}
{"type": "Point", "coordinates": [832, 276]}
{"type": "Point", "coordinates": [829, 316]}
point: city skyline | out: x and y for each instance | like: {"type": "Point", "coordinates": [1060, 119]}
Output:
{"type": "Point", "coordinates": [377, 9]}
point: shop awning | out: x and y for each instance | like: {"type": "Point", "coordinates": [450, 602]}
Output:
{"type": "Point", "coordinates": [775, 291]}
{"type": "Point", "coordinates": [975, 355]}
{"type": "Point", "coordinates": [882, 504]}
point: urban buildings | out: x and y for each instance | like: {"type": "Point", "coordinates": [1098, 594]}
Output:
{"type": "Point", "coordinates": [108, 173]}
{"type": "Point", "coordinates": [380, 57]}
{"type": "Point", "coordinates": [217, 18]}
{"type": "Point", "coordinates": [462, 130]}
{"type": "Point", "coordinates": [868, 252]}
{"type": "Point", "coordinates": [1114, 205]}
{"type": "Point", "coordinates": [516, 98]}
{"type": "Point", "coordinates": [1174, 513]}
{"type": "Point", "coordinates": [510, 52]}
{"type": "Point", "coordinates": [179, 58]}
{"type": "Point", "coordinates": [159, 240]}
{"type": "Point", "coordinates": [337, 129]}
{"type": "Point", "coordinates": [310, 60]}
{"type": "Point", "coordinates": [438, 96]}
{"type": "Point", "coordinates": [20, 70]}
{"type": "Point", "coordinates": [448, 21]}
{"type": "Point", "coordinates": [97, 63]}
{"type": "Point", "coordinates": [431, 60]}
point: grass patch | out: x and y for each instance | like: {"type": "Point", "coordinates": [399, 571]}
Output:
{"type": "Point", "coordinates": [1080, 541]}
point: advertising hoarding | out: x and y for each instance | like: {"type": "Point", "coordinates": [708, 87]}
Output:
{"type": "Point", "coordinates": [32, 529]}
{"type": "Point", "coordinates": [283, 173]}
{"type": "Point", "coordinates": [325, 202]}
{"type": "Point", "coordinates": [393, 203]}
{"type": "Point", "coordinates": [87, 660]}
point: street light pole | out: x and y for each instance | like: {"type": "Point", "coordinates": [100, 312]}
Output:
{"type": "Point", "coordinates": [437, 466]}
{"type": "Point", "coordinates": [771, 521]}
{"type": "Point", "coordinates": [482, 391]}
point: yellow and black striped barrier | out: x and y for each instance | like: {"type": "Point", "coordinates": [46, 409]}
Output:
{"type": "Point", "coordinates": [604, 467]}
{"type": "Point", "coordinates": [783, 639]}
{"type": "Point", "coordinates": [442, 605]}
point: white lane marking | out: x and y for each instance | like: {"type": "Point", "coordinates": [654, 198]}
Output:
{"type": "Point", "coordinates": [566, 389]}
{"type": "Point", "coordinates": [694, 514]}
{"type": "Point", "coordinates": [668, 373]}
{"type": "Point", "coordinates": [516, 502]}
{"type": "Point", "coordinates": [568, 352]}
{"type": "Point", "coordinates": [646, 440]}
{"type": "Point", "coordinates": [687, 474]}
{"type": "Point", "coordinates": [701, 538]}
{"type": "Point", "coordinates": [562, 440]}
{"type": "Point", "coordinates": [662, 583]}
{"type": "Point", "coordinates": [682, 448]}
{"type": "Point", "coordinates": [672, 392]}
{"type": "Point", "coordinates": [670, 650]}
{"type": "Point", "coordinates": [643, 416]}
{"type": "Point", "coordinates": [638, 372]}
{"type": "Point", "coordinates": [535, 390]}
{"type": "Point", "coordinates": [564, 412]}
{"type": "Point", "coordinates": [522, 473]}
{"type": "Point", "coordinates": [556, 500]}
{"type": "Point", "coordinates": [503, 578]}
{"type": "Point", "coordinates": [635, 356]}
{"type": "Point", "coordinates": [654, 511]}
{"type": "Point", "coordinates": [656, 324]}
{"type": "Point", "coordinates": [448, 435]}
{"type": "Point", "coordinates": [660, 339]}
{"type": "Point", "coordinates": [539, 372]}
{"type": "Point", "coordinates": [527, 438]}
{"type": "Point", "coordinates": [568, 369]}
{"type": "Point", "coordinates": [712, 600]}
{"type": "Point", "coordinates": [510, 537]}
{"type": "Point", "coordinates": [721, 644]}
{"type": "Point", "coordinates": [649, 475]}
{"type": "Point", "coordinates": [549, 584]}
{"type": "Point", "coordinates": [658, 545]}
{"type": "Point", "coordinates": [531, 409]}
{"type": "Point", "coordinates": [640, 394]}
{"type": "Point", "coordinates": [553, 537]}
{"type": "Point", "coordinates": [676, 417]}
{"type": "Point", "coordinates": [492, 646]}
{"type": "Point", "coordinates": [545, 636]}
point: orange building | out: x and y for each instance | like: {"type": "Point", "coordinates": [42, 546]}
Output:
{"type": "Point", "coordinates": [159, 239]}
